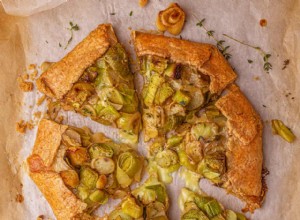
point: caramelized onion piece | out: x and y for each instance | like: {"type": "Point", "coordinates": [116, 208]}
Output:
{"type": "Point", "coordinates": [70, 178]}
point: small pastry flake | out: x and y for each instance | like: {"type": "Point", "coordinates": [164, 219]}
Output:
{"type": "Point", "coordinates": [143, 3]}
{"type": "Point", "coordinates": [171, 19]}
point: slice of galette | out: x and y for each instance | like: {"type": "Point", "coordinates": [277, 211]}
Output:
{"type": "Point", "coordinates": [147, 202]}
{"type": "Point", "coordinates": [202, 207]}
{"type": "Point", "coordinates": [180, 77]}
{"type": "Point", "coordinates": [94, 80]}
{"type": "Point", "coordinates": [191, 123]}
{"type": "Point", "coordinates": [77, 170]}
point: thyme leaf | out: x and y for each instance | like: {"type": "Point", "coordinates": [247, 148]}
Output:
{"type": "Point", "coordinates": [267, 65]}
{"type": "Point", "coordinates": [200, 23]}
{"type": "Point", "coordinates": [72, 28]}
{"type": "Point", "coordinates": [250, 61]}
{"type": "Point", "coordinates": [210, 33]}
{"type": "Point", "coordinates": [219, 43]}
{"type": "Point", "coordinates": [131, 13]}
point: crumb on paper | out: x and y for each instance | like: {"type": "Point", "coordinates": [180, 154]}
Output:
{"type": "Point", "coordinates": [263, 22]}
{"type": "Point", "coordinates": [25, 76]}
{"type": "Point", "coordinates": [37, 114]}
{"type": "Point", "coordinates": [40, 217]}
{"type": "Point", "coordinates": [30, 125]}
{"type": "Point", "coordinates": [22, 126]}
{"type": "Point", "coordinates": [19, 198]}
{"type": "Point", "coordinates": [25, 86]}
{"type": "Point", "coordinates": [41, 100]}
{"type": "Point", "coordinates": [256, 78]}
{"type": "Point", "coordinates": [143, 3]}
{"type": "Point", "coordinates": [33, 75]}
{"type": "Point", "coordinates": [32, 66]}
{"type": "Point", "coordinates": [59, 119]}
{"type": "Point", "coordinates": [48, 100]}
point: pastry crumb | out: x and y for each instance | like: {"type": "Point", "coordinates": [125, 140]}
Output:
{"type": "Point", "coordinates": [143, 3]}
{"type": "Point", "coordinates": [41, 100]}
{"type": "Point", "coordinates": [32, 66]}
{"type": "Point", "coordinates": [263, 22]}
{"type": "Point", "coordinates": [48, 100]}
{"type": "Point", "coordinates": [40, 217]}
{"type": "Point", "coordinates": [25, 76]}
{"type": "Point", "coordinates": [30, 125]}
{"type": "Point", "coordinates": [37, 114]}
{"type": "Point", "coordinates": [19, 198]}
{"type": "Point", "coordinates": [33, 75]}
{"type": "Point", "coordinates": [25, 86]}
{"type": "Point", "coordinates": [256, 78]}
{"type": "Point", "coordinates": [60, 119]}
{"type": "Point", "coordinates": [22, 126]}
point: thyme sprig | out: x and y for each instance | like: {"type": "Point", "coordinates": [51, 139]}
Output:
{"type": "Point", "coordinates": [72, 28]}
{"type": "Point", "coordinates": [265, 55]}
{"type": "Point", "coordinates": [220, 43]}
{"type": "Point", "coordinates": [224, 49]}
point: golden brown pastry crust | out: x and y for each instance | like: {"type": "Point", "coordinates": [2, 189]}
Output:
{"type": "Point", "coordinates": [48, 140]}
{"type": "Point", "coordinates": [64, 203]}
{"type": "Point", "coordinates": [59, 78]}
{"type": "Point", "coordinates": [243, 149]}
{"type": "Point", "coordinates": [205, 57]}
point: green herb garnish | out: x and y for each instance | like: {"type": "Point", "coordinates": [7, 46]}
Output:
{"type": "Point", "coordinates": [210, 33]}
{"type": "Point", "coordinates": [265, 55]}
{"type": "Point", "coordinates": [72, 28]}
{"type": "Point", "coordinates": [224, 49]}
{"type": "Point", "coordinates": [131, 13]}
{"type": "Point", "coordinates": [220, 43]}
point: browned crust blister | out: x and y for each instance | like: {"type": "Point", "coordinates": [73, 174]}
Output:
{"type": "Point", "coordinates": [63, 202]}
{"type": "Point", "coordinates": [243, 149]}
{"type": "Point", "coordinates": [59, 78]}
{"type": "Point", "coordinates": [205, 57]}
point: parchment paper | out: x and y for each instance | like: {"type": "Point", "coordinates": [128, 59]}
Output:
{"type": "Point", "coordinates": [36, 38]}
